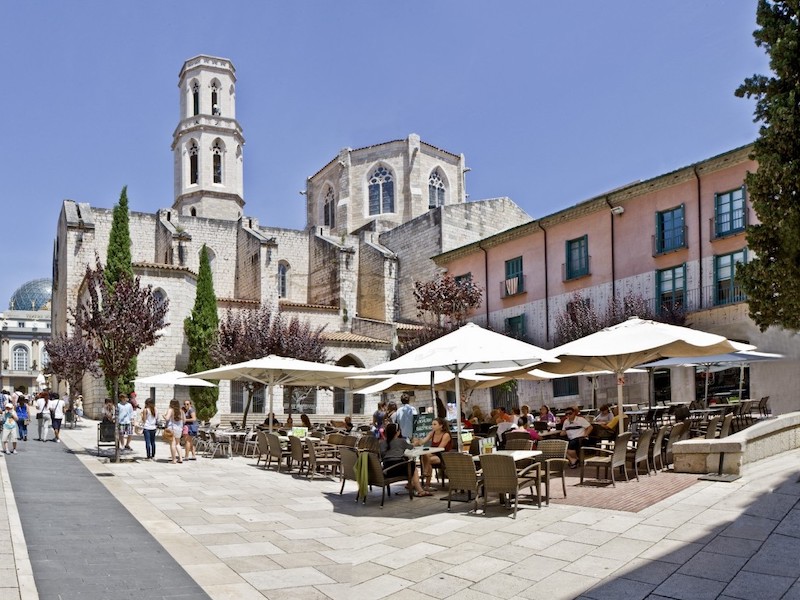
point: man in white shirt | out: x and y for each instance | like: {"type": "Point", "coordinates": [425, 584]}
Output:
{"type": "Point", "coordinates": [404, 417]}
{"type": "Point", "coordinates": [57, 406]}
{"type": "Point", "coordinates": [125, 422]}
{"type": "Point", "coordinates": [577, 430]}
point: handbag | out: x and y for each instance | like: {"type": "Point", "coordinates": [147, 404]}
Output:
{"type": "Point", "coordinates": [39, 416]}
{"type": "Point", "coordinates": [168, 435]}
{"type": "Point", "coordinates": [185, 430]}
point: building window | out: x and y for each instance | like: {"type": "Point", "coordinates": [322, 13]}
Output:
{"type": "Point", "coordinates": [21, 358]}
{"type": "Point", "coordinates": [565, 386]}
{"type": "Point", "coordinates": [194, 171]}
{"type": "Point", "coordinates": [726, 288]}
{"type": "Point", "coordinates": [283, 283]}
{"type": "Point", "coordinates": [465, 278]}
{"type": "Point", "coordinates": [45, 359]}
{"type": "Point", "coordinates": [215, 98]}
{"type": "Point", "coordinates": [216, 150]}
{"type": "Point", "coordinates": [300, 400]}
{"type": "Point", "coordinates": [670, 289]}
{"type": "Point", "coordinates": [513, 283]}
{"type": "Point", "coordinates": [240, 393]}
{"type": "Point", "coordinates": [195, 98]}
{"type": "Point", "coordinates": [504, 397]}
{"type": "Point", "coordinates": [577, 258]}
{"type": "Point", "coordinates": [436, 189]}
{"type": "Point", "coordinates": [329, 208]}
{"type": "Point", "coordinates": [381, 192]}
{"type": "Point", "coordinates": [730, 215]}
{"type": "Point", "coordinates": [670, 230]}
{"type": "Point", "coordinates": [515, 327]}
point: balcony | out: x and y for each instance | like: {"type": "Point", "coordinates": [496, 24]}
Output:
{"type": "Point", "coordinates": [678, 304]}
{"type": "Point", "coordinates": [512, 286]}
{"type": "Point", "coordinates": [670, 241]}
{"type": "Point", "coordinates": [727, 224]}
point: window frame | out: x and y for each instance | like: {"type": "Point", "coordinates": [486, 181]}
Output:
{"type": "Point", "coordinates": [437, 189]}
{"type": "Point", "coordinates": [677, 242]}
{"type": "Point", "coordinates": [514, 270]}
{"type": "Point", "coordinates": [283, 280]}
{"type": "Point", "coordinates": [719, 202]}
{"type": "Point", "coordinates": [733, 293]}
{"type": "Point", "coordinates": [673, 302]}
{"type": "Point", "coordinates": [329, 207]}
{"type": "Point", "coordinates": [565, 386]}
{"type": "Point", "coordinates": [18, 353]}
{"type": "Point", "coordinates": [581, 247]}
{"type": "Point", "coordinates": [384, 183]}
{"type": "Point", "coordinates": [515, 326]}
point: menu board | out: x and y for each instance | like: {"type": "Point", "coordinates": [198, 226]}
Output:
{"type": "Point", "coordinates": [423, 424]}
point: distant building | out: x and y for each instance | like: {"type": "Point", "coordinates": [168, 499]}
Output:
{"type": "Point", "coordinates": [24, 329]}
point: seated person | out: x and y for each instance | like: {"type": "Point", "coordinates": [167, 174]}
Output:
{"type": "Point", "coordinates": [465, 422]}
{"type": "Point", "coordinates": [348, 424]}
{"type": "Point", "coordinates": [547, 416]}
{"type": "Point", "coordinates": [603, 415]}
{"type": "Point", "coordinates": [607, 427]}
{"type": "Point", "coordinates": [394, 460]}
{"type": "Point", "coordinates": [577, 430]}
{"type": "Point", "coordinates": [477, 415]}
{"type": "Point", "coordinates": [525, 413]}
{"type": "Point", "coordinates": [523, 425]}
{"type": "Point", "coordinates": [438, 437]}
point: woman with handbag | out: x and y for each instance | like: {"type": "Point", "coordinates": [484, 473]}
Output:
{"type": "Point", "coordinates": [43, 417]}
{"type": "Point", "coordinates": [174, 430]}
{"type": "Point", "coordinates": [190, 425]}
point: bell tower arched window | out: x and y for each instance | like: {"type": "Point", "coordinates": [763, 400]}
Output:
{"type": "Point", "coordinates": [215, 98]}
{"type": "Point", "coordinates": [195, 99]}
{"type": "Point", "coordinates": [194, 171]}
{"type": "Point", "coordinates": [436, 189]}
{"type": "Point", "coordinates": [381, 191]}
{"type": "Point", "coordinates": [329, 208]}
{"type": "Point", "coordinates": [216, 151]}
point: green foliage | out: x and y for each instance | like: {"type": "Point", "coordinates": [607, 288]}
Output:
{"type": "Point", "coordinates": [201, 331]}
{"type": "Point", "coordinates": [772, 279]}
{"type": "Point", "coordinates": [119, 266]}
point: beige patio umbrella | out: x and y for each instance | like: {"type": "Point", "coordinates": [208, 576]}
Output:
{"type": "Point", "coordinates": [280, 370]}
{"type": "Point", "coordinates": [178, 378]}
{"type": "Point", "coordinates": [632, 343]}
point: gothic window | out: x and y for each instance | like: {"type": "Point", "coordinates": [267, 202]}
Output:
{"type": "Point", "coordinates": [194, 171]}
{"type": "Point", "coordinates": [329, 208]}
{"type": "Point", "coordinates": [283, 280]}
{"type": "Point", "coordinates": [381, 192]}
{"type": "Point", "coordinates": [193, 212]}
{"type": "Point", "coordinates": [436, 189]}
{"type": "Point", "coordinates": [216, 150]}
{"type": "Point", "coordinates": [21, 358]}
{"type": "Point", "coordinates": [215, 98]}
{"type": "Point", "coordinates": [195, 98]}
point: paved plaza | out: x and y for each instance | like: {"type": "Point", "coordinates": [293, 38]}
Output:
{"type": "Point", "coordinates": [242, 532]}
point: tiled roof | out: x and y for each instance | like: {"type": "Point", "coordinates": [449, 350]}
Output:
{"type": "Point", "coordinates": [346, 336]}
{"type": "Point", "coordinates": [303, 305]}
{"type": "Point", "coordinates": [162, 267]}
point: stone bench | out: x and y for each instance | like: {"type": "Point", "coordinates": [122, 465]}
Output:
{"type": "Point", "coordinates": [765, 438]}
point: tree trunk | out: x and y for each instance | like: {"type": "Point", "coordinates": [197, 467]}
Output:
{"type": "Point", "coordinates": [115, 387]}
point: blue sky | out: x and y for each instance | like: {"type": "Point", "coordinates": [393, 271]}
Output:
{"type": "Point", "coordinates": [551, 102]}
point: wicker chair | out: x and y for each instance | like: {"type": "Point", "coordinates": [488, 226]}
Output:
{"type": "Point", "coordinates": [462, 476]}
{"type": "Point", "coordinates": [677, 433]}
{"type": "Point", "coordinates": [642, 452]}
{"type": "Point", "coordinates": [519, 444]}
{"type": "Point", "coordinates": [369, 443]}
{"type": "Point", "coordinates": [298, 454]}
{"type": "Point", "coordinates": [609, 459]}
{"type": "Point", "coordinates": [350, 441]}
{"type": "Point", "coordinates": [276, 451]}
{"type": "Point", "coordinates": [385, 477]}
{"type": "Point", "coordinates": [513, 435]}
{"type": "Point", "coordinates": [711, 427]}
{"type": "Point", "coordinates": [216, 444]}
{"type": "Point", "coordinates": [726, 425]}
{"type": "Point", "coordinates": [250, 444]}
{"type": "Point", "coordinates": [763, 407]}
{"type": "Point", "coordinates": [553, 458]}
{"type": "Point", "coordinates": [500, 476]}
{"type": "Point", "coordinates": [658, 448]}
{"type": "Point", "coordinates": [263, 447]}
{"type": "Point", "coordinates": [315, 463]}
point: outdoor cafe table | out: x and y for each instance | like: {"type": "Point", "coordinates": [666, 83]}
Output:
{"type": "Point", "coordinates": [517, 455]}
{"type": "Point", "coordinates": [230, 434]}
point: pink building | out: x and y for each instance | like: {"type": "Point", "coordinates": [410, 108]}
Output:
{"type": "Point", "coordinates": [669, 244]}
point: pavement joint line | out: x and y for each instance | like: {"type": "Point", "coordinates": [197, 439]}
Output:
{"type": "Point", "coordinates": [22, 562]}
{"type": "Point", "coordinates": [175, 541]}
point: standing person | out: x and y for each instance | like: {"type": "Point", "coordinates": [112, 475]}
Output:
{"type": "Point", "coordinates": [190, 427]}
{"type": "Point", "coordinates": [125, 421]}
{"type": "Point", "coordinates": [78, 408]}
{"type": "Point", "coordinates": [377, 419]}
{"type": "Point", "coordinates": [404, 417]}
{"type": "Point", "coordinates": [9, 433]}
{"type": "Point", "coordinates": [149, 426]}
{"type": "Point", "coordinates": [23, 418]}
{"type": "Point", "coordinates": [175, 423]}
{"type": "Point", "coordinates": [108, 410]}
{"type": "Point", "coordinates": [57, 406]}
{"type": "Point", "coordinates": [43, 418]}
{"type": "Point", "coordinates": [391, 411]}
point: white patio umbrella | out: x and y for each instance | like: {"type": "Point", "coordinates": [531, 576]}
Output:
{"type": "Point", "coordinates": [279, 370]}
{"type": "Point", "coordinates": [468, 348]}
{"type": "Point", "coordinates": [717, 361]}
{"type": "Point", "coordinates": [632, 343]}
{"type": "Point", "coordinates": [178, 378]}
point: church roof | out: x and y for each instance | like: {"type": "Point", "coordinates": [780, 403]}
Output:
{"type": "Point", "coordinates": [346, 336]}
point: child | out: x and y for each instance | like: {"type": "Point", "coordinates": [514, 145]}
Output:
{"type": "Point", "coordinates": [9, 433]}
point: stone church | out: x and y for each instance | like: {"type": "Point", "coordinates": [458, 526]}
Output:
{"type": "Point", "coordinates": [375, 217]}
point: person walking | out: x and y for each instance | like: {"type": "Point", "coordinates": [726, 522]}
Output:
{"type": "Point", "coordinates": [405, 417]}
{"type": "Point", "coordinates": [175, 424]}
{"type": "Point", "coordinates": [78, 408]}
{"type": "Point", "coordinates": [9, 433]}
{"type": "Point", "coordinates": [23, 418]}
{"type": "Point", "coordinates": [190, 426]}
{"type": "Point", "coordinates": [57, 407]}
{"type": "Point", "coordinates": [43, 418]}
{"type": "Point", "coordinates": [125, 422]}
{"type": "Point", "coordinates": [149, 426]}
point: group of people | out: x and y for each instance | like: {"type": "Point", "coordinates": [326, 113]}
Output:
{"type": "Point", "coordinates": [48, 408]}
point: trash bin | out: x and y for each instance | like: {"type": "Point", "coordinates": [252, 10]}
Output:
{"type": "Point", "coordinates": [105, 434]}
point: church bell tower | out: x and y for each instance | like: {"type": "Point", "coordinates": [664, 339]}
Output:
{"type": "Point", "coordinates": [207, 143]}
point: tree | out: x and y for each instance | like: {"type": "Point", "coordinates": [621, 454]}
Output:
{"type": "Point", "coordinates": [250, 334]}
{"type": "Point", "coordinates": [71, 357]}
{"type": "Point", "coordinates": [772, 278]}
{"type": "Point", "coordinates": [443, 304]}
{"type": "Point", "coordinates": [118, 322]}
{"type": "Point", "coordinates": [119, 267]}
{"type": "Point", "coordinates": [201, 330]}
{"type": "Point", "coordinates": [579, 319]}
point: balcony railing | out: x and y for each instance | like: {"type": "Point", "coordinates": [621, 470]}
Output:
{"type": "Point", "coordinates": [576, 271]}
{"type": "Point", "coordinates": [670, 241]}
{"type": "Point", "coordinates": [726, 224]}
{"type": "Point", "coordinates": [512, 286]}
{"type": "Point", "coordinates": [693, 300]}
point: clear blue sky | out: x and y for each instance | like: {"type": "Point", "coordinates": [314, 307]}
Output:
{"type": "Point", "coordinates": [551, 102]}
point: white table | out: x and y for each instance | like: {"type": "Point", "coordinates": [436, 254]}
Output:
{"type": "Point", "coordinates": [517, 455]}
{"type": "Point", "coordinates": [415, 453]}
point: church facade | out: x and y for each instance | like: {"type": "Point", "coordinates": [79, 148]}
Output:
{"type": "Point", "coordinates": [375, 217]}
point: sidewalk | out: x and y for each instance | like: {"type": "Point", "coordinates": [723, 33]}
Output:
{"type": "Point", "coordinates": [242, 532]}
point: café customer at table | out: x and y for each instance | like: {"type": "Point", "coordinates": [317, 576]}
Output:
{"type": "Point", "coordinates": [393, 448]}
{"type": "Point", "coordinates": [577, 430]}
{"type": "Point", "coordinates": [439, 437]}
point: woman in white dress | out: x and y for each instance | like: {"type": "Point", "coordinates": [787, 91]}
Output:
{"type": "Point", "coordinates": [175, 423]}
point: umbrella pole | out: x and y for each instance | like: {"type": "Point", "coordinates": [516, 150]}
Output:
{"type": "Point", "coordinates": [433, 395]}
{"type": "Point", "coordinates": [271, 414]}
{"type": "Point", "coordinates": [705, 392]}
{"type": "Point", "coordinates": [458, 411]}
{"type": "Point", "coordinates": [741, 381]}
{"type": "Point", "coordinates": [620, 383]}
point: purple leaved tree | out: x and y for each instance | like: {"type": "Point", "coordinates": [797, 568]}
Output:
{"type": "Point", "coordinates": [71, 357]}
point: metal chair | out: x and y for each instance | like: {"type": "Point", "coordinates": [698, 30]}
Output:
{"type": "Point", "coordinates": [609, 459]}
{"type": "Point", "coordinates": [763, 407]}
{"type": "Point", "coordinates": [554, 459]}
{"type": "Point", "coordinates": [642, 452]}
{"type": "Point", "coordinates": [323, 461]}
{"type": "Point", "coordinates": [297, 453]}
{"type": "Point", "coordinates": [462, 476]}
{"type": "Point", "coordinates": [263, 447]}
{"type": "Point", "coordinates": [276, 451]}
{"type": "Point", "coordinates": [500, 476]}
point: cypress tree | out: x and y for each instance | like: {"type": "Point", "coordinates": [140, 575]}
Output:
{"type": "Point", "coordinates": [772, 278]}
{"type": "Point", "coordinates": [118, 266]}
{"type": "Point", "coordinates": [201, 330]}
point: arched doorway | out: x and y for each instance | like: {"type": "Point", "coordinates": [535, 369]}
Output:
{"type": "Point", "coordinates": [345, 403]}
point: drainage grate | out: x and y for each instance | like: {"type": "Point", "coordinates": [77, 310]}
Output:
{"type": "Point", "coordinates": [104, 474]}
